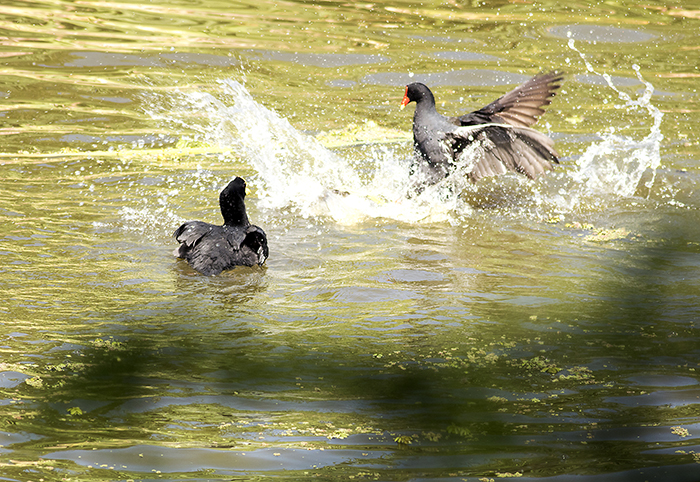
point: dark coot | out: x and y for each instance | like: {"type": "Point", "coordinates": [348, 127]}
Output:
{"type": "Point", "coordinates": [496, 138]}
{"type": "Point", "coordinates": [211, 249]}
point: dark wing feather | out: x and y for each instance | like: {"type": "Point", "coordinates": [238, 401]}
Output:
{"type": "Point", "coordinates": [212, 249]}
{"type": "Point", "coordinates": [192, 231]}
{"type": "Point", "coordinates": [520, 107]}
{"type": "Point", "coordinates": [500, 148]}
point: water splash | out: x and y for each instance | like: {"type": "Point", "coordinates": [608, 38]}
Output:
{"type": "Point", "coordinates": [296, 169]}
{"type": "Point", "coordinates": [151, 206]}
{"type": "Point", "coordinates": [616, 164]}
{"type": "Point", "coordinates": [296, 172]}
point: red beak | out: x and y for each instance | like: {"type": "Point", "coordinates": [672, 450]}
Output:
{"type": "Point", "coordinates": [405, 100]}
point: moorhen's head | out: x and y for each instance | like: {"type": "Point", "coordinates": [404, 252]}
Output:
{"type": "Point", "coordinates": [417, 92]}
{"type": "Point", "coordinates": [231, 201]}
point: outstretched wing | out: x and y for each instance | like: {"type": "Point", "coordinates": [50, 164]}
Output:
{"type": "Point", "coordinates": [520, 107]}
{"type": "Point", "coordinates": [494, 149]}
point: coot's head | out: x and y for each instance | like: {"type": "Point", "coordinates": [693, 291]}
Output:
{"type": "Point", "coordinates": [417, 92]}
{"type": "Point", "coordinates": [231, 201]}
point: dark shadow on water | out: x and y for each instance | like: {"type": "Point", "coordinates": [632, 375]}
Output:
{"type": "Point", "coordinates": [555, 403]}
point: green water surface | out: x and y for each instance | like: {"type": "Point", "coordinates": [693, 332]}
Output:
{"type": "Point", "coordinates": [549, 332]}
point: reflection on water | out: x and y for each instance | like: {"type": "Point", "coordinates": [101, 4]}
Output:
{"type": "Point", "coordinates": [505, 329]}
{"type": "Point", "coordinates": [102, 59]}
{"type": "Point", "coordinates": [452, 77]}
{"type": "Point", "coordinates": [333, 60]}
{"type": "Point", "coordinates": [601, 33]}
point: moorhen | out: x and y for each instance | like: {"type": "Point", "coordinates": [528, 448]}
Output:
{"type": "Point", "coordinates": [490, 141]}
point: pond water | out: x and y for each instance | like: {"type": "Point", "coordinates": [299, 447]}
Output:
{"type": "Point", "coordinates": [512, 328]}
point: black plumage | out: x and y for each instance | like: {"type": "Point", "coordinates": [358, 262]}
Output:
{"type": "Point", "coordinates": [492, 140]}
{"type": "Point", "coordinates": [211, 249]}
